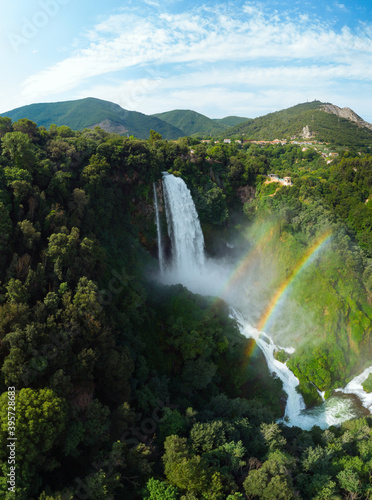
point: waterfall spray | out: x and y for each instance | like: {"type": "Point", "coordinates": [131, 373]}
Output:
{"type": "Point", "coordinates": [160, 242]}
{"type": "Point", "coordinates": [190, 268]}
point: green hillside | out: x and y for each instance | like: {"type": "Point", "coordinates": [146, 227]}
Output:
{"type": "Point", "coordinates": [287, 123]}
{"type": "Point", "coordinates": [86, 113]}
{"type": "Point", "coordinates": [290, 122]}
{"type": "Point", "coordinates": [121, 387]}
{"type": "Point", "coordinates": [192, 123]}
{"type": "Point", "coordinates": [231, 121]}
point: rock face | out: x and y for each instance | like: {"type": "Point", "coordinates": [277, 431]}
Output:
{"type": "Point", "coordinates": [111, 127]}
{"type": "Point", "coordinates": [306, 132]}
{"type": "Point", "coordinates": [347, 113]}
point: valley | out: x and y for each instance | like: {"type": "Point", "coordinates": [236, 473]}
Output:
{"type": "Point", "coordinates": [121, 257]}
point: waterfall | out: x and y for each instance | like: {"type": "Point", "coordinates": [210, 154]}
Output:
{"type": "Point", "coordinates": [355, 387]}
{"type": "Point", "coordinates": [160, 243]}
{"type": "Point", "coordinates": [295, 403]}
{"type": "Point", "coordinates": [183, 227]}
{"type": "Point", "coordinates": [191, 268]}
{"type": "Point", "coordinates": [333, 411]}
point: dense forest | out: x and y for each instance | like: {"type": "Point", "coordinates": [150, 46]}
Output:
{"type": "Point", "coordinates": [127, 388]}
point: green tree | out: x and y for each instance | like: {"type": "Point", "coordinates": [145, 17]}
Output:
{"type": "Point", "coordinates": [16, 291]}
{"type": "Point", "coordinates": [272, 481]}
{"type": "Point", "coordinates": [181, 468]}
{"type": "Point", "coordinates": [154, 136]}
{"type": "Point", "coordinates": [5, 125]}
{"type": "Point", "coordinates": [350, 482]}
{"type": "Point", "coordinates": [160, 490]}
{"type": "Point", "coordinates": [5, 230]}
{"type": "Point", "coordinates": [212, 206]}
{"type": "Point", "coordinates": [30, 235]}
{"type": "Point", "coordinates": [77, 205]}
{"type": "Point", "coordinates": [19, 148]}
{"type": "Point", "coordinates": [27, 127]}
{"type": "Point", "coordinates": [272, 436]}
{"type": "Point", "coordinates": [208, 436]}
{"type": "Point", "coordinates": [40, 422]}
{"type": "Point", "coordinates": [95, 172]}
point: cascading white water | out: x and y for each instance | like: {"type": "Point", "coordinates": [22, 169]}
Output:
{"type": "Point", "coordinates": [355, 387]}
{"type": "Point", "coordinates": [190, 268]}
{"type": "Point", "coordinates": [183, 227]}
{"type": "Point", "coordinates": [295, 402]}
{"type": "Point", "coordinates": [333, 411]}
{"type": "Point", "coordinates": [160, 242]}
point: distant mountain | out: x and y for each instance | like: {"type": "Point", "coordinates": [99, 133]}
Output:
{"type": "Point", "coordinates": [230, 121]}
{"type": "Point", "coordinates": [192, 123]}
{"type": "Point", "coordinates": [312, 120]}
{"type": "Point", "coordinates": [347, 113]}
{"type": "Point", "coordinates": [90, 112]}
{"type": "Point", "coordinates": [322, 121]}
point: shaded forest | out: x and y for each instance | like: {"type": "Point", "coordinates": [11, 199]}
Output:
{"type": "Point", "coordinates": [126, 388]}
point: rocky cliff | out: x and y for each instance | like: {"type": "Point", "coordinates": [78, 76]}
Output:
{"type": "Point", "coordinates": [347, 113]}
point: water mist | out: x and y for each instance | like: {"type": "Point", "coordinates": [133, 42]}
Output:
{"type": "Point", "coordinates": [191, 268]}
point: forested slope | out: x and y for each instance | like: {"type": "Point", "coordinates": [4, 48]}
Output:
{"type": "Point", "coordinates": [89, 112]}
{"type": "Point", "coordinates": [323, 126]}
{"type": "Point", "coordinates": [129, 389]}
{"type": "Point", "coordinates": [191, 122]}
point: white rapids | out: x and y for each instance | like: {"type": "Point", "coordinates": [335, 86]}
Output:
{"type": "Point", "coordinates": [332, 411]}
{"type": "Point", "coordinates": [191, 268]}
{"type": "Point", "coordinates": [355, 387]}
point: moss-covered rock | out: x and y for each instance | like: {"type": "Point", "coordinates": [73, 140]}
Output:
{"type": "Point", "coordinates": [367, 384]}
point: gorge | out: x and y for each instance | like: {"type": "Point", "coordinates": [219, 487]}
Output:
{"type": "Point", "coordinates": [144, 370]}
{"type": "Point", "coordinates": [190, 267]}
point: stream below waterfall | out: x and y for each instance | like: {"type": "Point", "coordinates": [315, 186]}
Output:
{"type": "Point", "coordinates": [191, 268]}
{"type": "Point", "coordinates": [332, 411]}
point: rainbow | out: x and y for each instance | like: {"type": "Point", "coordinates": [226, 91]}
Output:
{"type": "Point", "coordinates": [247, 260]}
{"type": "Point", "coordinates": [305, 260]}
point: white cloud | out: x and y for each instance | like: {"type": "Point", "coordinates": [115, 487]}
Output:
{"type": "Point", "coordinates": [208, 53]}
{"type": "Point", "coordinates": [248, 91]}
{"type": "Point", "coordinates": [152, 3]}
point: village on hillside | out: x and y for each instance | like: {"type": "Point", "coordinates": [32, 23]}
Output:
{"type": "Point", "coordinates": [320, 147]}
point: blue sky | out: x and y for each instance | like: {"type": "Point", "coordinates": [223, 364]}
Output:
{"type": "Point", "coordinates": [230, 58]}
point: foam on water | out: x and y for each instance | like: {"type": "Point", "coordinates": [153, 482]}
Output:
{"type": "Point", "coordinates": [207, 276]}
